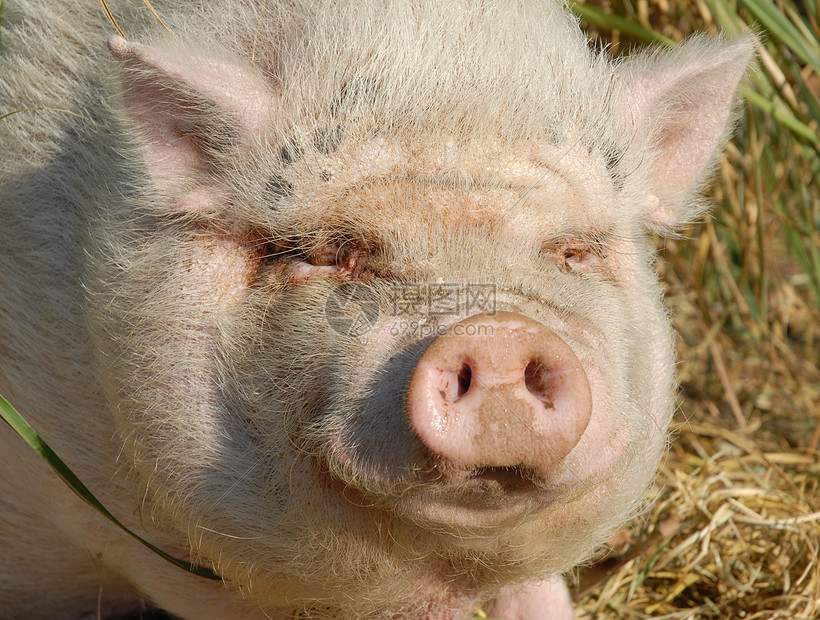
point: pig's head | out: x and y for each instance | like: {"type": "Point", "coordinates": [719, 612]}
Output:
{"type": "Point", "coordinates": [384, 320]}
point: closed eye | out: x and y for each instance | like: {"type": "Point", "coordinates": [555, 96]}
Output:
{"type": "Point", "coordinates": [300, 264]}
{"type": "Point", "coordinates": [579, 255]}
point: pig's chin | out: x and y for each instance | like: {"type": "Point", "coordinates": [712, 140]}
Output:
{"type": "Point", "coordinates": [481, 501]}
{"type": "Point", "coordinates": [439, 498]}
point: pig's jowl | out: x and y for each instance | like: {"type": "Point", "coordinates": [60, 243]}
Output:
{"type": "Point", "coordinates": [350, 302]}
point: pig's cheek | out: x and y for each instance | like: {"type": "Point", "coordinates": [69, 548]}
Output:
{"type": "Point", "coordinates": [615, 425]}
{"type": "Point", "coordinates": [377, 443]}
{"type": "Point", "coordinates": [220, 271]}
{"type": "Point", "coordinates": [607, 436]}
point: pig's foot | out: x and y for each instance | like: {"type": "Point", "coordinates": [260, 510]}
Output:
{"type": "Point", "coordinates": [542, 600]}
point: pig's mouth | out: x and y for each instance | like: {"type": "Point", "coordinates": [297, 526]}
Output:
{"type": "Point", "coordinates": [437, 495]}
{"type": "Point", "coordinates": [514, 479]}
{"type": "Point", "coordinates": [480, 503]}
{"type": "Point", "coordinates": [491, 482]}
{"type": "Point", "coordinates": [482, 497]}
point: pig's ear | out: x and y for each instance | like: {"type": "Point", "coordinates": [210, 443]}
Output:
{"type": "Point", "coordinates": [186, 109]}
{"type": "Point", "coordinates": [684, 103]}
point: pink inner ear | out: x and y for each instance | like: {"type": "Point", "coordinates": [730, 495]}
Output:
{"type": "Point", "coordinates": [688, 106]}
{"type": "Point", "coordinates": [176, 101]}
{"type": "Point", "coordinates": [172, 157]}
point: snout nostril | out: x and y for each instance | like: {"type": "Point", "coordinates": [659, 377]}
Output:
{"type": "Point", "coordinates": [465, 377]}
{"type": "Point", "coordinates": [538, 379]}
{"type": "Point", "coordinates": [508, 405]}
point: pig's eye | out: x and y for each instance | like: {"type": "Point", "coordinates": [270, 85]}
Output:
{"type": "Point", "coordinates": [327, 255]}
{"type": "Point", "coordinates": [577, 256]}
{"type": "Point", "coordinates": [330, 255]}
{"type": "Point", "coordinates": [583, 257]}
{"type": "Point", "coordinates": [299, 265]}
{"type": "Point", "coordinates": [574, 256]}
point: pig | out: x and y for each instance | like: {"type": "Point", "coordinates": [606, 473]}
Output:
{"type": "Point", "coordinates": [350, 303]}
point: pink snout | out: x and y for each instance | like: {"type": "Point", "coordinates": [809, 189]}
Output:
{"type": "Point", "coordinates": [499, 391]}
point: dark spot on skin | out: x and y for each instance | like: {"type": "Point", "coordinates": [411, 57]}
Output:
{"type": "Point", "coordinates": [613, 165]}
{"type": "Point", "coordinates": [555, 136]}
{"type": "Point", "coordinates": [290, 152]}
{"type": "Point", "coordinates": [611, 155]}
{"type": "Point", "coordinates": [278, 188]}
{"type": "Point", "coordinates": [327, 140]}
{"type": "Point", "coordinates": [342, 99]}
{"type": "Point", "coordinates": [356, 91]}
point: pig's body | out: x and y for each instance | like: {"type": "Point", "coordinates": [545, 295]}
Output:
{"type": "Point", "coordinates": [176, 222]}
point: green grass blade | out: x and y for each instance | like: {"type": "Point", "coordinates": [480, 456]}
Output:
{"type": "Point", "coordinates": [807, 95]}
{"type": "Point", "coordinates": [33, 439]}
{"type": "Point", "coordinates": [783, 117]}
{"type": "Point", "coordinates": [726, 17]}
{"type": "Point", "coordinates": [783, 29]}
{"type": "Point", "coordinates": [7, 114]}
{"type": "Point", "coordinates": [804, 28]}
{"type": "Point", "coordinates": [599, 18]}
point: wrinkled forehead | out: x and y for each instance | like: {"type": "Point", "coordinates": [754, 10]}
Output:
{"type": "Point", "coordinates": [548, 185]}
